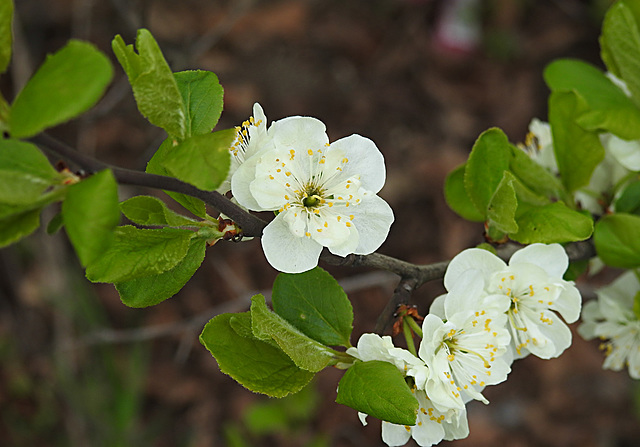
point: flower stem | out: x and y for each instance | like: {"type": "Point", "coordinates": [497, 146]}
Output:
{"type": "Point", "coordinates": [413, 324]}
{"type": "Point", "coordinates": [408, 335]}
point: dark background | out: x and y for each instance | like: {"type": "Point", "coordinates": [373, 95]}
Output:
{"type": "Point", "coordinates": [81, 369]}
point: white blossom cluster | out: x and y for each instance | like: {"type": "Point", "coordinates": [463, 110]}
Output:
{"type": "Point", "coordinates": [614, 317]}
{"type": "Point", "coordinates": [324, 194]}
{"type": "Point", "coordinates": [492, 314]}
{"type": "Point", "coordinates": [621, 157]}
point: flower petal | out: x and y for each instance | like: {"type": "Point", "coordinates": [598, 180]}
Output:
{"type": "Point", "coordinates": [627, 153]}
{"type": "Point", "coordinates": [299, 132]}
{"type": "Point", "coordinates": [394, 434]}
{"type": "Point", "coordinates": [241, 181]}
{"type": "Point", "coordinates": [472, 258]}
{"type": "Point", "coordinates": [364, 160]}
{"type": "Point", "coordinates": [287, 252]}
{"type": "Point", "coordinates": [551, 258]}
{"type": "Point", "coordinates": [373, 218]}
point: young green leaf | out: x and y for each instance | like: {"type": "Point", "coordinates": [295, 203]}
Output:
{"type": "Point", "coordinates": [151, 290]}
{"type": "Point", "coordinates": [25, 173]}
{"type": "Point", "coordinates": [156, 166]}
{"type": "Point", "coordinates": [6, 38]}
{"type": "Point", "coordinates": [487, 162]}
{"type": "Point", "coordinates": [629, 200]}
{"type": "Point", "coordinates": [15, 226]}
{"type": "Point", "coordinates": [379, 390]}
{"type": "Point", "coordinates": [501, 210]}
{"type": "Point", "coordinates": [534, 176]}
{"type": "Point", "coordinates": [621, 43]}
{"type": "Point", "coordinates": [617, 240]}
{"type": "Point", "coordinates": [147, 210]}
{"type": "Point", "coordinates": [257, 365]}
{"type": "Point", "coordinates": [552, 223]}
{"type": "Point", "coordinates": [90, 214]}
{"type": "Point", "coordinates": [153, 84]}
{"type": "Point", "coordinates": [67, 84]}
{"type": "Point", "coordinates": [305, 352]}
{"type": "Point", "coordinates": [202, 96]}
{"type": "Point", "coordinates": [202, 160]}
{"type": "Point", "coordinates": [578, 151]}
{"type": "Point", "coordinates": [135, 253]}
{"type": "Point", "coordinates": [609, 107]}
{"type": "Point", "coordinates": [314, 303]}
{"type": "Point", "coordinates": [457, 198]}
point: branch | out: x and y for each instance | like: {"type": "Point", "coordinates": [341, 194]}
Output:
{"type": "Point", "coordinates": [251, 225]}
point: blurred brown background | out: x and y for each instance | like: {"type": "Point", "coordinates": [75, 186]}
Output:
{"type": "Point", "coordinates": [81, 369]}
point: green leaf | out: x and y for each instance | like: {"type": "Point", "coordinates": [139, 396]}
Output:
{"type": "Point", "coordinates": [534, 176]}
{"type": "Point", "coordinates": [553, 223]}
{"type": "Point", "coordinates": [6, 38]}
{"type": "Point", "coordinates": [621, 42]}
{"type": "Point", "coordinates": [202, 96]}
{"type": "Point", "coordinates": [18, 225]}
{"type": "Point", "coordinates": [257, 365]}
{"type": "Point", "coordinates": [379, 390]}
{"type": "Point", "coordinates": [501, 210]}
{"type": "Point", "coordinates": [314, 303]}
{"type": "Point", "coordinates": [135, 253]}
{"type": "Point", "coordinates": [90, 213]}
{"type": "Point", "coordinates": [153, 84]}
{"type": "Point", "coordinates": [156, 166]}
{"type": "Point", "coordinates": [609, 108]}
{"type": "Point", "coordinates": [617, 240]}
{"type": "Point", "coordinates": [147, 210]}
{"type": "Point", "coordinates": [306, 353]}
{"type": "Point", "coordinates": [151, 290]}
{"type": "Point", "coordinates": [202, 160]}
{"type": "Point", "coordinates": [457, 198]}
{"type": "Point", "coordinates": [578, 151]}
{"type": "Point", "coordinates": [25, 173]}
{"type": "Point", "coordinates": [488, 160]}
{"type": "Point", "coordinates": [67, 84]}
{"type": "Point", "coordinates": [629, 200]}
{"type": "Point", "coordinates": [55, 224]}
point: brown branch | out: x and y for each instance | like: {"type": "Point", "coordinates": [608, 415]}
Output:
{"type": "Point", "coordinates": [251, 225]}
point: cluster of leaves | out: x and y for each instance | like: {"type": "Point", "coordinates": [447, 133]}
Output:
{"type": "Point", "coordinates": [518, 198]}
{"type": "Point", "coordinates": [278, 352]}
{"type": "Point", "coordinates": [149, 264]}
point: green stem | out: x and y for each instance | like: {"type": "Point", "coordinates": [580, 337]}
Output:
{"type": "Point", "coordinates": [413, 324]}
{"type": "Point", "coordinates": [408, 335]}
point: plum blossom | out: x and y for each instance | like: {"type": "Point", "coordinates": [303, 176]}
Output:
{"type": "Point", "coordinates": [613, 318]}
{"type": "Point", "coordinates": [464, 348]}
{"type": "Point", "coordinates": [251, 137]}
{"type": "Point", "coordinates": [539, 145]}
{"type": "Point", "coordinates": [324, 194]}
{"type": "Point", "coordinates": [537, 293]}
{"type": "Point", "coordinates": [432, 425]}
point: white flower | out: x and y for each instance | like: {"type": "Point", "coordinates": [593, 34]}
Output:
{"type": "Point", "coordinates": [465, 352]}
{"type": "Point", "coordinates": [373, 347]}
{"type": "Point", "coordinates": [539, 145]}
{"type": "Point", "coordinates": [606, 177]}
{"type": "Point", "coordinates": [611, 317]}
{"type": "Point", "coordinates": [533, 283]}
{"type": "Point", "coordinates": [251, 138]}
{"type": "Point", "coordinates": [432, 426]}
{"type": "Point", "coordinates": [325, 194]}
